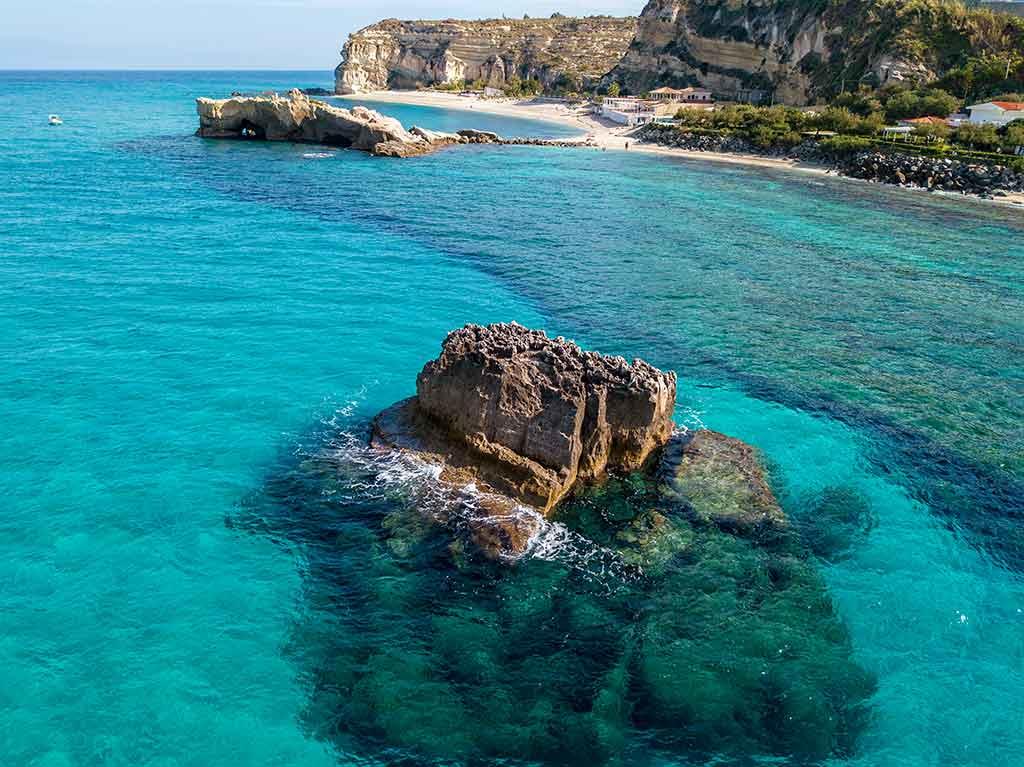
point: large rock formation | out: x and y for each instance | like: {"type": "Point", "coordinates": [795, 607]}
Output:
{"type": "Point", "coordinates": [528, 416]}
{"type": "Point", "coordinates": [300, 119]}
{"type": "Point", "coordinates": [797, 51]}
{"type": "Point", "coordinates": [407, 54]}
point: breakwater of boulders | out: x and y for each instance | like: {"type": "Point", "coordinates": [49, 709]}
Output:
{"type": "Point", "coordinates": [889, 167]}
{"type": "Point", "coordinates": [933, 173]}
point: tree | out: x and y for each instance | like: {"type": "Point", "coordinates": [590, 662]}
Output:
{"type": "Point", "coordinates": [937, 102]}
{"type": "Point", "coordinates": [933, 131]}
{"type": "Point", "coordinates": [861, 102]}
{"type": "Point", "coordinates": [1014, 134]}
{"type": "Point", "coordinates": [906, 104]}
{"type": "Point", "coordinates": [980, 136]}
{"type": "Point", "coordinates": [614, 90]}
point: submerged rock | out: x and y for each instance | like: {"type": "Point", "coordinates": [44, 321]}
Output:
{"type": "Point", "coordinates": [300, 119]}
{"type": "Point", "coordinates": [529, 416]}
{"type": "Point", "coordinates": [720, 479]}
{"type": "Point", "coordinates": [833, 520]}
{"type": "Point", "coordinates": [709, 647]}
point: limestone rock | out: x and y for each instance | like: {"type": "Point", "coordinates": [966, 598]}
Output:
{"type": "Point", "coordinates": [528, 416]}
{"type": "Point", "coordinates": [436, 137]}
{"type": "Point", "coordinates": [300, 119]}
{"type": "Point", "coordinates": [720, 479]}
{"type": "Point", "coordinates": [411, 54]}
{"type": "Point", "coordinates": [474, 136]}
{"type": "Point", "coordinates": [760, 51]}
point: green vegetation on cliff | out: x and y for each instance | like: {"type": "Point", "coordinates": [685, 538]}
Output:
{"type": "Point", "coordinates": [801, 51]}
{"type": "Point", "coordinates": [973, 52]}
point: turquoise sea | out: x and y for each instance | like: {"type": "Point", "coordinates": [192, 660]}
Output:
{"type": "Point", "coordinates": [201, 565]}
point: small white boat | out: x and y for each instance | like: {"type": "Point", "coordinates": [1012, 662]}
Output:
{"type": "Point", "coordinates": [55, 120]}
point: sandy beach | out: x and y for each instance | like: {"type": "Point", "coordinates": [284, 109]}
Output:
{"type": "Point", "coordinates": [606, 135]}
{"type": "Point", "coordinates": [603, 134]}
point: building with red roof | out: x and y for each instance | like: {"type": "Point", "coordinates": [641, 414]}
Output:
{"type": "Point", "coordinates": [996, 112]}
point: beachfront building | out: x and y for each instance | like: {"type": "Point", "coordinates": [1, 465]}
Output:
{"type": "Point", "coordinates": [682, 96]}
{"type": "Point", "coordinates": [627, 110]}
{"type": "Point", "coordinates": [996, 112]}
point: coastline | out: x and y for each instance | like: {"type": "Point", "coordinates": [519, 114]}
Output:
{"type": "Point", "coordinates": [611, 136]}
{"type": "Point", "coordinates": [604, 134]}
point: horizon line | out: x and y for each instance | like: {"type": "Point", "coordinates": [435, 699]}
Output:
{"type": "Point", "coordinates": [163, 69]}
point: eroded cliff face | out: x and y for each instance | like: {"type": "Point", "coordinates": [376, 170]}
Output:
{"type": "Point", "coordinates": [791, 52]}
{"type": "Point", "coordinates": [407, 54]}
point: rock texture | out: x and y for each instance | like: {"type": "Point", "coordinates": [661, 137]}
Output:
{"type": "Point", "coordinates": [528, 416]}
{"type": "Point", "coordinates": [883, 166]}
{"type": "Point", "coordinates": [408, 54]}
{"type": "Point", "coordinates": [729, 48]}
{"type": "Point", "coordinates": [720, 479]}
{"type": "Point", "coordinates": [939, 174]}
{"type": "Point", "coordinates": [300, 119]}
{"type": "Point", "coordinates": [794, 52]}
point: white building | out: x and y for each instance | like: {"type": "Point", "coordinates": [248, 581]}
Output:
{"type": "Point", "coordinates": [996, 112]}
{"type": "Point", "coordinates": [682, 95]}
{"type": "Point", "coordinates": [628, 110]}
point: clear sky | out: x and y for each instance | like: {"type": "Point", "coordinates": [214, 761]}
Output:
{"type": "Point", "coordinates": [256, 34]}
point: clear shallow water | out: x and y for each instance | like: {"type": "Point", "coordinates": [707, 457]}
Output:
{"type": "Point", "coordinates": [187, 324]}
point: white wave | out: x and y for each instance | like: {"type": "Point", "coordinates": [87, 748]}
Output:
{"type": "Point", "coordinates": [375, 473]}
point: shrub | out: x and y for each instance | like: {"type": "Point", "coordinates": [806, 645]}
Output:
{"type": "Point", "coordinates": [845, 145]}
{"type": "Point", "coordinates": [1014, 136]}
{"type": "Point", "coordinates": [863, 101]}
{"type": "Point", "coordinates": [983, 136]}
{"type": "Point", "coordinates": [933, 132]}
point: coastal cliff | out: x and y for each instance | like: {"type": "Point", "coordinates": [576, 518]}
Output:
{"type": "Point", "coordinates": [574, 52]}
{"type": "Point", "coordinates": [796, 52]}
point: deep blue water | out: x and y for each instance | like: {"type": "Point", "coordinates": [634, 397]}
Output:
{"type": "Point", "coordinates": [194, 334]}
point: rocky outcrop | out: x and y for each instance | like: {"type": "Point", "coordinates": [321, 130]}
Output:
{"type": "Point", "coordinates": [574, 52]}
{"type": "Point", "coordinates": [301, 119]}
{"type": "Point", "coordinates": [528, 416]}
{"type": "Point", "coordinates": [795, 52]}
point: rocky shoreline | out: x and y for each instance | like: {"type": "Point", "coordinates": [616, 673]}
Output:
{"type": "Point", "coordinates": [298, 119]}
{"type": "Point", "coordinates": [889, 167]}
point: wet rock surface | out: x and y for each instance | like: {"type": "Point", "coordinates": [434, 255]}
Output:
{"type": "Point", "coordinates": [632, 632]}
{"type": "Point", "coordinates": [720, 479]}
{"type": "Point", "coordinates": [530, 416]}
{"type": "Point", "coordinates": [932, 173]}
{"type": "Point", "coordinates": [663, 609]}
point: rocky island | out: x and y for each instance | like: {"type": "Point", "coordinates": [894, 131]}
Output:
{"type": "Point", "coordinates": [589, 578]}
{"type": "Point", "coordinates": [528, 420]}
